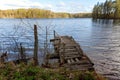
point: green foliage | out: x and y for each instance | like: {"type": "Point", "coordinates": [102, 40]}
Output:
{"type": "Point", "coordinates": [88, 76]}
{"type": "Point", "coordinates": [84, 76]}
{"type": "Point", "coordinates": [117, 11]}
{"type": "Point", "coordinates": [51, 76]}
{"type": "Point", "coordinates": [29, 72]}
{"type": "Point", "coordinates": [107, 10]}
{"type": "Point", "coordinates": [82, 15]}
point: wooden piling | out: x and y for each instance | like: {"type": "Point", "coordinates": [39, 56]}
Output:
{"type": "Point", "coordinates": [22, 52]}
{"type": "Point", "coordinates": [35, 45]}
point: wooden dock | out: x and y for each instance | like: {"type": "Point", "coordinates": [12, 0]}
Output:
{"type": "Point", "coordinates": [69, 54]}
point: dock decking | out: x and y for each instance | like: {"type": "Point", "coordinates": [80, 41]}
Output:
{"type": "Point", "coordinates": [69, 54]}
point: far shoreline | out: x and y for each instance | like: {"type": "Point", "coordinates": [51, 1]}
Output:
{"type": "Point", "coordinates": [46, 18]}
{"type": "Point", "coordinates": [40, 13]}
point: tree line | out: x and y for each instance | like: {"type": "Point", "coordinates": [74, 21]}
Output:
{"type": "Point", "coordinates": [38, 13]}
{"type": "Point", "coordinates": [107, 10]}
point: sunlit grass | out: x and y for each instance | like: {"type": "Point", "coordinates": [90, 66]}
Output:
{"type": "Point", "coordinates": [30, 72]}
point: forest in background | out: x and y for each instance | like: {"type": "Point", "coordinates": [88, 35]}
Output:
{"type": "Point", "coordinates": [107, 10]}
{"type": "Point", "coordinates": [39, 13]}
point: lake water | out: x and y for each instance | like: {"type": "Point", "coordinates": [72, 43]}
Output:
{"type": "Point", "coordinates": [101, 42]}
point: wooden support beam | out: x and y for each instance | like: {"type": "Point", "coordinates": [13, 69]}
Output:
{"type": "Point", "coordinates": [53, 56]}
{"type": "Point", "coordinates": [68, 61]}
{"type": "Point", "coordinates": [35, 45]}
{"type": "Point", "coordinates": [77, 59]}
{"type": "Point", "coordinates": [72, 61]}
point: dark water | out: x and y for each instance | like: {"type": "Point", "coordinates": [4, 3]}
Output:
{"type": "Point", "coordinates": [100, 41]}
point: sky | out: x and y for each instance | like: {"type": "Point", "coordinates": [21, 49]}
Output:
{"type": "Point", "coordinates": [70, 6]}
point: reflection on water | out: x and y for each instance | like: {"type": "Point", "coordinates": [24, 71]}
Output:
{"type": "Point", "coordinates": [107, 21]}
{"type": "Point", "coordinates": [103, 21]}
{"type": "Point", "coordinates": [100, 40]}
{"type": "Point", "coordinates": [116, 22]}
{"type": "Point", "coordinates": [107, 48]}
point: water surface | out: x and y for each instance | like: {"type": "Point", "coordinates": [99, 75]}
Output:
{"type": "Point", "coordinates": [101, 42]}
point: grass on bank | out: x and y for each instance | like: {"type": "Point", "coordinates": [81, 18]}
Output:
{"type": "Point", "coordinates": [30, 72]}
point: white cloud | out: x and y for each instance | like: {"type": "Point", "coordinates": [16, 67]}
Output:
{"type": "Point", "coordinates": [62, 4]}
{"type": "Point", "coordinates": [58, 7]}
{"type": "Point", "coordinates": [71, 7]}
{"type": "Point", "coordinates": [8, 4]}
{"type": "Point", "coordinates": [48, 7]}
{"type": "Point", "coordinates": [14, 4]}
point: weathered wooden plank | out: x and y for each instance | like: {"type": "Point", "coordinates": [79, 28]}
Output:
{"type": "Point", "coordinates": [79, 67]}
{"type": "Point", "coordinates": [52, 40]}
{"type": "Point", "coordinates": [53, 56]}
{"type": "Point", "coordinates": [71, 54]}
{"type": "Point", "coordinates": [72, 61]}
{"type": "Point", "coordinates": [80, 63]}
{"type": "Point", "coordinates": [68, 61]}
{"type": "Point", "coordinates": [72, 49]}
{"type": "Point", "coordinates": [69, 57]}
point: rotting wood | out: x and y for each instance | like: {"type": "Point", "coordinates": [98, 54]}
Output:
{"type": "Point", "coordinates": [70, 54]}
{"type": "Point", "coordinates": [22, 52]}
{"type": "Point", "coordinates": [53, 56]}
{"type": "Point", "coordinates": [77, 60]}
{"type": "Point", "coordinates": [3, 57]}
{"type": "Point", "coordinates": [35, 45]}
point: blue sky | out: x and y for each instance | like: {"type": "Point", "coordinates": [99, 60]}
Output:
{"type": "Point", "coordinates": [71, 6]}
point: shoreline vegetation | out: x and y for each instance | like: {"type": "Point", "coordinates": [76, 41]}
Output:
{"type": "Point", "coordinates": [110, 9]}
{"type": "Point", "coordinates": [40, 13]}
{"type": "Point", "coordinates": [9, 71]}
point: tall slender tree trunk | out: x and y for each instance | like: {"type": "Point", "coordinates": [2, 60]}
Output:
{"type": "Point", "coordinates": [35, 46]}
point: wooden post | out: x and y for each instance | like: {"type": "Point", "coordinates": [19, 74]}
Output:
{"type": "Point", "coordinates": [22, 54]}
{"type": "Point", "coordinates": [62, 61]}
{"type": "Point", "coordinates": [45, 54]}
{"type": "Point", "coordinates": [3, 57]}
{"type": "Point", "coordinates": [35, 46]}
{"type": "Point", "coordinates": [54, 34]}
{"type": "Point", "coordinates": [46, 40]}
